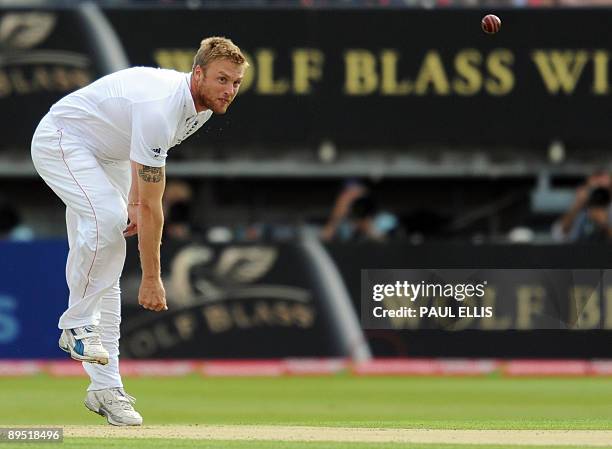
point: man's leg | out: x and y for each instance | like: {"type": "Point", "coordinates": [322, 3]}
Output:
{"type": "Point", "coordinates": [119, 176]}
{"type": "Point", "coordinates": [95, 194]}
{"type": "Point", "coordinates": [108, 376]}
{"type": "Point", "coordinates": [97, 252]}
{"type": "Point", "coordinates": [96, 217]}
{"type": "Point", "coordinates": [105, 395]}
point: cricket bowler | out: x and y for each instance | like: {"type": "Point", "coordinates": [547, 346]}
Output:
{"type": "Point", "coordinates": [102, 149]}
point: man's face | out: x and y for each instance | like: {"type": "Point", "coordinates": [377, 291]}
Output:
{"type": "Point", "coordinates": [217, 85]}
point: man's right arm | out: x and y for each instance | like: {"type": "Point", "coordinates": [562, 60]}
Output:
{"type": "Point", "coordinates": [341, 210]}
{"type": "Point", "coordinates": [568, 219]}
{"type": "Point", "coordinates": [151, 184]}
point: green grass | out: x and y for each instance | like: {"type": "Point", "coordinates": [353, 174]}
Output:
{"type": "Point", "coordinates": [121, 443]}
{"type": "Point", "coordinates": [391, 402]}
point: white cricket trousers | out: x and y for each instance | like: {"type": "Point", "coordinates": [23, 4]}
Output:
{"type": "Point", "coordinates": [95, 194]}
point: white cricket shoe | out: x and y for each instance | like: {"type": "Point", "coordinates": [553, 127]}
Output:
{"type": "Point", "coordinates": [115, 404]}
{"type": "Point", "coordinates": [83, 344]}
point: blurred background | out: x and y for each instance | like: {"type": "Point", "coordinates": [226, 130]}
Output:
{"type": "Point", "coordinates": [367, 134]}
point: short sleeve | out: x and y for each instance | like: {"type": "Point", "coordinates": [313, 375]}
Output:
{"type": "Point", "coordinates": [151, 134]}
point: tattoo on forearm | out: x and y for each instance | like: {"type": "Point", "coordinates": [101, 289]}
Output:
{"type": "Point", "coordinates": [150, 174]}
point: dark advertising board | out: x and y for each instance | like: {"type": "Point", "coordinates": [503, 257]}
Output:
{"type": "Point", "coordinates": [33, 295]}
{"type": "Point", "coordinates": [225, 301]}
{"type": "Point", "coordinates": [361, 78]}
{"type": "Point", "coordinates": [267, 301]}
{"type": "Point", "coordinates": [486, 299]}
{"type": "Point", "coordinates": [231, 301]}
{"type": "Point", "coordinates": [396, 77]}
{"type": "Point", "coordinates": [546, 301]}
{"type": "Point", "coordinates": [45, 54]}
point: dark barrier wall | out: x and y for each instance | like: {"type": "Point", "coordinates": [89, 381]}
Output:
{"type": "Point", "coordinates": [351, 259]}
{"type": "Point", "coordinates": [33, 295]}
{"type": "Point", "coordinates": [259, 301]}
{"type": "Point", "coordinates": [228, 301]}
{"type": "Point", "coordinates": [397, 77]}
{"type": "Point", "coordinates": [231, 301]}
{"type": "Point", "coordinates": [358, 77]}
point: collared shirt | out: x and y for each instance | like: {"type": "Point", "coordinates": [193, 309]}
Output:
{"type": "Point", "coordinates": [134, 114]}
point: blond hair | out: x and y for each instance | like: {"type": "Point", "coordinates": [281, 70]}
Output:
{"type": "Point", "coordinates": [216, 47]}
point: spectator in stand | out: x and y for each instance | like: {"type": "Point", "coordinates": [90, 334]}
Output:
{"type": "Point", "coordinates": [356, 216]}
{"type": "Point", "coordinates": [596, 227]}
{"type": "Point", "coordinates": [589, 217]}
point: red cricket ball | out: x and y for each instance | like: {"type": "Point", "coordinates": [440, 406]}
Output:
{"type": "Point", "coordinates": [491, 24]}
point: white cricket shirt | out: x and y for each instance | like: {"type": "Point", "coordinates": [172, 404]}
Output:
{"type": "Point", "coordinates": [137, 113]}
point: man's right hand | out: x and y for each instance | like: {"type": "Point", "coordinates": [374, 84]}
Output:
{"type": "Point", "coordinates": [132, 227]}
{"type": "Point", "coordinates": [582, 196]}
{"type": "Point", "coordinates": [152, 295]}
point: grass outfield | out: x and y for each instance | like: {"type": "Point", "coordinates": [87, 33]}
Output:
{"type": "Point", "coordinates": [401, 402]}
{"type": "Point", "coordinates": [336, 401]}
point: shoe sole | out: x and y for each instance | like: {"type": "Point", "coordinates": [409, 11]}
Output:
{"type": "Point", "coordinates": [110, 420]}
{"type": "Point", "coordinates": [80, 358]}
